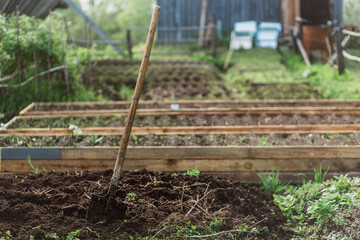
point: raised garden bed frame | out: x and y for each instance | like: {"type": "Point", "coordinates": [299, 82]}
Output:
{"type": "Point", "coordinates": [234, 162]}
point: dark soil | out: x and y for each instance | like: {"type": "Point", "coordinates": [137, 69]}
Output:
{"type": "Point", "coordinates": [188, 120]}
{"type": "Point", "coordinates": [157, 203]}
{"type": "Point", "coordinates": [157, 105]}
{"type": "Point", "coordinates": [279, 90]}
{"type": "Point", "coordinates": [115, 80]}
{"type": "Point", "coordinates": [187, 140]}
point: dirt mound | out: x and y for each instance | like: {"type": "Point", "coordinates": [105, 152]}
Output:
{"type": "Point", "coordinates": [47, 203]}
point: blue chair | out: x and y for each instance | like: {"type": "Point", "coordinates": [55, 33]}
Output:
{"type": "Point", "coordinates": [242, 35]}
{"type": "Point", "coordinates": [268, 34]}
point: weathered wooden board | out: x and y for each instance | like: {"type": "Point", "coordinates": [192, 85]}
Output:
{"type": "Point", "coordinates": [175, 165]}
{"type": "Point", "coordinates": [196, 111]}
{"type": "Point", "coordinates": [173, 159]}
{"type": "Point", "coordinates": [185, 152]}
{"type": "Point", "coordinates": [260, 129]}
{"type": "Point", "coordinates": [307, 102]}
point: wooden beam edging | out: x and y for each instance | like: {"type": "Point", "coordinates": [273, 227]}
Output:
{"type": "Point", "coordinates": [271, 101]}
{"type": "Point", "coordinates": [184, 152]}
{"type": "Point", "coordinates": [196, 111]}
{"type": "Point", "coordinates": [6, 125]}
{"type": "Point", "coordinates": [29, 107]}
{"type": "Point", "coordinates": [175, 159]}
{"type": "Point", "coordinates": [185, 130]}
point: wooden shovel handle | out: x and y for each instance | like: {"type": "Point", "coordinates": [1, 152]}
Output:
{"type": "Point", "coordinates": [135, 100]}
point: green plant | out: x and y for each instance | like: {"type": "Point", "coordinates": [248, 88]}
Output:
{"type": "Point", "coordinates": [217, 225]}
{"type": "Point", "coordinates": [35, 169]}
{"type": "Point", "coordinates": [7, 236]}
{"type": "Point", "coordinates": [310, 207]}
{"type": "Point", "coordinates": [319, 174]}
{"type": "Point", "coordinates": [95, 139]}
{"type": "Point", "coordinates": [264, 142]}
{"type": "Point", "coordinates": [76, 130]}
{"type": "Point", "coordinates": [193, 173]}
{"type": "Point", "coordinates": [130, 197]}
{"type": "Point", "coordinates": [272, 181]}
{"type": "Point", "coordinates": [73, 235]}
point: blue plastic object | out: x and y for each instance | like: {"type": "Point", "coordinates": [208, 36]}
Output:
{"type": "Point", "coordinates": [268, 34]}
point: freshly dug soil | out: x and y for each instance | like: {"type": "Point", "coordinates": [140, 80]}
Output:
{"type": "Point", "coordinates": [279, 90]}
{"type": "Point", "coordinates": [187, 140]}
{"type": "Point", "coordinates": [188, 120]}
{"type": "Point", "coordinates": [115, 80]}
{"type": "Point", "coordinates": [157, 105]}
{"type": "Point", "coordinates": [157, 203]}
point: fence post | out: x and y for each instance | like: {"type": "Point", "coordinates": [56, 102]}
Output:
{"type": "Point", "coordinates": [128, 41]}
{"type": "Point", "coordinates": [18, 51]}
{"type": "Point", "coordinates": [36, 75]}
{"type": "Point", "coordinates": [213, 41]}
{"type": "Point", "coordinates": [340, 56]}
{"type": "Point", "coordinates": [65, 67]}
{"type": "Point", "coordinates": [75, 50]}
{"type": "Point", "coordinates": [88, 74]}
{"type": "Point", "coordinates": [48, 55]}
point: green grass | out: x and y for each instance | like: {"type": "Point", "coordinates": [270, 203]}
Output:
{"type": "Point", "coordinates": [272, 182]}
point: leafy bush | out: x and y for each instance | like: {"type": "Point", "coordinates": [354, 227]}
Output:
{"type": "Point", "coordinates": [18, 47]}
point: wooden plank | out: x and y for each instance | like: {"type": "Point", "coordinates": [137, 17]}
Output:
{"type": "Point", "coordinates": [31, 106]}
{"type": "Point", "coordinates": [260, 129]}
{"type": "Point", "coordinates": [178, 165]}
{"type": "Point", "coordinates": [10, 122]}
{"type": "Point", "coordinates": [186, 152]}
{"type": "Point", "coordinates": [196, 111]}
{"type": "Point", "coordinates": [270, 101]}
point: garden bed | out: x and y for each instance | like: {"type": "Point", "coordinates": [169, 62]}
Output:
{"type": "Point", "coordinates": [187, 120]}
{"type": "Point", "coordinates": [45, 107]}
{"type": "Point", "coordinates": [40, 205]}
{"type": "Point", "coordinates": [325, 139]}
{"type": "Point", "coordinates": [174, 79]}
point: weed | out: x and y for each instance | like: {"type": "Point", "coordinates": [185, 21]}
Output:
{"type": "Point", "coordinates": [35, 169]}
{"type": "Point", "coordinates": [7, 236]}
{"type": "Point", "coordinates": [272, 181]}
{"type": "Point", "coordinates": [217, 225]}
{"type": "Point", "coordinates": [193, 173]}
{"type": "Point", "coordinates": [309, 207]}
{"type": "Point", "coordinates": [76, 130]}
{"type": "Point", "coordinates": [130, 197]}
{"type": "Point", "coordinates": [264, 142]}
{"type": "Point", "coordinates": [135, 138]}
{"type": "Point", "coordinates": [319, 174]}
{"type": "Point", "coordinates": [95, 139]}
{"type": "Point", "coordinates": [73, 235]}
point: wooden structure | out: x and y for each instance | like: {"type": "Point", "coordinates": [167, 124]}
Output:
{"type": "Point", "coordinates": [36, 8]}
{"type": "Point", "coordinates": [236, 162]}
{"type": "Point", "coordinates": [184, 13]}
{"type": "Point", "coordinates": [317, 12]}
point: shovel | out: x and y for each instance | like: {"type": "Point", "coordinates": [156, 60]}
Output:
{"type": "Point", "coordinates": [104, 208]}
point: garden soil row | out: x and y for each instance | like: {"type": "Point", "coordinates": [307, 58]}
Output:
{"type": "Point", "coordinates": [188, 120]}
{"type": "Point", "coordinates": [42, 204]}
{"type": "Point", "coordinates": [314, 139]}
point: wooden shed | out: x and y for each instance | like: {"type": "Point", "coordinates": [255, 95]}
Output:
{"type": "Point", "coordinates": [317, 12]}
